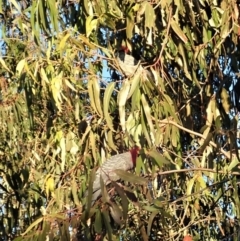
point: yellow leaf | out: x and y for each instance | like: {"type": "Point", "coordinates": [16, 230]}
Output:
{"type": "Point", "coordinates": [233, 163]}
{"type": "Point", "coordinates": [122, 116]}
{"type": "Point", "coordinates": [149, 16]}
{"type": "Point", "coordinates": [91, 24]}
{"type": "Point", "coordinates": [56, 87]}
{"type": "Point", "coordinates": [93, 145]}
{"type": "Point", "coordinates": [130, 25]}
{"type": "Point", "coordinates": [134, 83]}
{"type": "Point", "coordinates": [4, 64]}
{"type": "Point", "coordinates": [35, 223]}
{"type": "Point", "coordinates": [123, 94]}
{"type": "Point", "coordinates": [190, 187]}
{"type": "Point", "coordinates": [63, 153]}
{"type": "Point", "coordinates": [63, 41]}
{"type": "Point", "coordinates": [20, 67]}
{"type": "Point", "coordinates": [49, 186]}
{"type": "Point", "coordinates": [96, 91]}
{"type": "Point", "coordinates": [178, 31]}
{"type": "Point", "coordinates": [70, 85]}
{"type": "Point", "coordinates": [106, 100]}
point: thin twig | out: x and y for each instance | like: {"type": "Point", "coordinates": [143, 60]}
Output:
{"type": "Point", "coordinates": [198, 169]}
{"type": "Point", "coordinates": [167, 121]}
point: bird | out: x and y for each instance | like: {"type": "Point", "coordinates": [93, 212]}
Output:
{"type": "Point", "coordinates": [124, 161]}
{"type": "Point", "coordinates": [129, 65]}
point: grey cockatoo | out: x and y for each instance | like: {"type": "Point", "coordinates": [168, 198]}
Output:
{"type": "Point", "coordinates": [124, 161]}
{"type": "Point", "coordinates": [129, 65]}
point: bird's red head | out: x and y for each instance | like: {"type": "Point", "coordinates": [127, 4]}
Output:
{"type": "Point", "coordinates": [134, 152]}
{"type": "Point", "coordinates": [125, 49]}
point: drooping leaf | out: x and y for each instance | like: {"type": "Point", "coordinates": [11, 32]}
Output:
{"type": "Point", "coordinates": [98, 222]}
{"type": "Point", "coordinates": [35, 223]}
{"type": "Point", "coordinates": [158, 158]}
{"type": "Point", "coordinates": [130, 177]}
{"type": "Point", "coordinates": [190, 185]}
{"type": "Point", "coordinates": [107, 224]}
{"type": "Point", "coordinates": [106, 102]}
{"type": "Point", "coordinates": [150, 221]}
{"type": "Point", "coordinates": [124, 199]}
{"type": "Point", "coordinates": [178, 31]}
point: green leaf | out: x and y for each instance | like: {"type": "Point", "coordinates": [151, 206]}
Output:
{"type": "Point", "coordinates": [122, 115]}
{"type": "Point", "coordinates": [149, 16]}
{"type": "Point", "coordinates": [178, 31]}
{"type": "Point", "coordinates": [42, 10]}
{"type": "Point", "coordinates": [105, 196]}
{"type": "Point", "coordinates": [2, 62]}
{"type": "Point", "coordinates": [134, 83]}
{"type": "Point", "coordinates": [147, 112]}
{"type": "Point", "coordinates": [169, 107]}
{"type": "Point", "coordinates": [150, 221]}
{"type": "Point", "coordinates": [160, 202]}
{"type": "Point", "coordinates": [183, 53]}
{"type": "Point", "coordinates": [234, 162]}
{"type": "Point", "coordinates": [225, 100]}
{"type": "Point", "coordinates": [136, 97]}
{"type": "Point", "coordinates": [53, 13]}
{"type": "Point", "coordinates": [175, 136]}
{"type": "Point", "coordinates": [130, 24]}
{"type": "Point", "coordinates": [123, 93]}
{"type": "Point", "coordinates": [130, 177]}
{"type": "Point", "coordinates": [116, 213]}
{"type": "Point", "coordinates": [45, 230]}
{"type": "Point", "coordinates": [110, 140]}
{"type": "Point", "coordinates": [63, 153]}
{"type": "Point", "coordinates": [74, 190]}
{"type": "Point", "coordinates": [32, 225]}
{"type": "Point", "coordinates": [144, 127]}
{"type": "Point", "coordinates": [151, 208]}
{"type": "Point", "coordinates": [92, 138]}
{"type": "Point", "coordinates": [107, 224]}
{"type": "Point", "coordinates": [140, 167]}
{"type": "Point", "coordinates": [96, 91]}
{"type": "Point", "coordinates": [190, 184]}
{"type": "Point", "coordinates": [124, 199]}
{"type": "Point", "coordinates": [225, 24]}
{"type": "Point", "coordinates": [34, 25]}
{"type": "Point", "coordinates": [206, 142]}
{"type": "Point", "coordinates": [89, 194]}
{"type": "Point", "coordinates": [85, 134]}
{"type": "Point", "coordinates": [106, 100]}
{"type": "Point", "coordinates": [159, 158]}
{"type": "Point", "coordinates": [98, 222]}
{"type": "Point", "coordinates": [56, 88]}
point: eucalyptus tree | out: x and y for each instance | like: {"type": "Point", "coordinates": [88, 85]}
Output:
{"type": "Point", "coordinates": [61, 117]}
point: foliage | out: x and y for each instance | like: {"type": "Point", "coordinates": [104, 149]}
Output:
{"type": "Point", "coordinates": [61, 117]}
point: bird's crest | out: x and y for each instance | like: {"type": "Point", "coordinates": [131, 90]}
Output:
{"type": "Point", "coordinates": [134, 153]}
